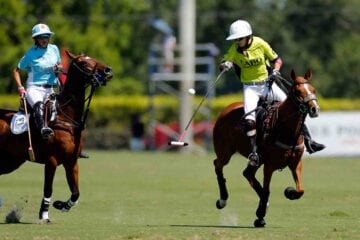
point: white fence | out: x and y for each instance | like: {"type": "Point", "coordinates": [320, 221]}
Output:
{"type": "Point", "coordinates": [339, 131]}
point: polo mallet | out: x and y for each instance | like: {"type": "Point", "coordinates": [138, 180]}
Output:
{"type": "Point", "coordinates": [180, 142]}
{"type": "Point", "coordinates": [30, 149]}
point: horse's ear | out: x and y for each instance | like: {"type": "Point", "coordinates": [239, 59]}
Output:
{"type": "Point", "coordinates": [293, 75]}
{"type": "Point", "coordinates": [72, 56]}
{"type": "Point", "coordinates": [308, 74]}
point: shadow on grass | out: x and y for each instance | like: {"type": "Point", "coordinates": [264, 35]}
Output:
{"type": "Point", "coordinates": [20, 223]}
{"type": "Point", "coordinates": [208, 226]}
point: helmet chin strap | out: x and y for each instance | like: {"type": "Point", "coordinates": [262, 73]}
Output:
{"type": "Point", "coordinates": [249, 40]}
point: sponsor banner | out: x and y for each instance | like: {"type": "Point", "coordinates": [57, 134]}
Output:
{"type": "Point", "coordinates": [339, 131]}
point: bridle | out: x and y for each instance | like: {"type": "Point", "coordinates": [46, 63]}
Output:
{"type": "Point", "coordinates": [302, 106]}
{"type": "Point", "coordinates": [94, 79]}
{"type": "Point", "coordinates": [301, 102]}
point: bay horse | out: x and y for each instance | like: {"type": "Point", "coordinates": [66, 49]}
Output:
{"type": "Point", "coordinates": [73, 102]}
{"type": "Point", "coordinates": [279, 140]}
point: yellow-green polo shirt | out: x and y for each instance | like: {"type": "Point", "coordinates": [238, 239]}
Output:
{"type": "Point", "coordinates": [253, 64]}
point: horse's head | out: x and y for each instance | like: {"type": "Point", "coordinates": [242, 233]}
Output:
{"type": "Point", "coordinates": [96, 73]}
{"type": "Point", "coordinates": [303, 94]}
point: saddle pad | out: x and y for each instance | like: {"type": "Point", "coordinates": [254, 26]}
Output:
{"type": "Point", "coordinates": [18, 123]}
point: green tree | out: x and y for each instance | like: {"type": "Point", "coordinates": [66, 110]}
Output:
{"type": "Point", "coordinates": [318, 34]}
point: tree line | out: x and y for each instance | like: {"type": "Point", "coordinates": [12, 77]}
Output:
{"type": "Point", "coordinates": [317, 34]}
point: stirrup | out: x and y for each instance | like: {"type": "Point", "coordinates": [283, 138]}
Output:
{"type": "Point", "coordinates": [47, 133]}
{"type": "Point", "coordinates": [312, 146]}
{"type": "Point", "coordinates": [254, 159]}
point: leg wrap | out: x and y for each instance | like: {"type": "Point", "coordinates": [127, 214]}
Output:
{"type": "Point", "coordinates": [44, 209]}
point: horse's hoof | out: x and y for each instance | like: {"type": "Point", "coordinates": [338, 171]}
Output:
{"type": "Point", "coordinates": [220, 204]}
{"type": "Point", "coordinates": [60, 205]}
{"type": "Point", "coordinates": [44, 221]}
{"type": "Point", "coordinates": [292, 194]}
{"type": "Point", "coordinates": [259, 223]}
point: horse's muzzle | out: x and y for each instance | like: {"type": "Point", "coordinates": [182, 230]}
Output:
{"type": "Point", "coordinates": [314, 111]}
{"type": "Point", "coordinates": [108, 72]}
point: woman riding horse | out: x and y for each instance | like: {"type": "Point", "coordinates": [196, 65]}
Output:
{"type": "Point", "coordinates": [66, 144]}
{"type": "Point", "coordinates": [249, 56]}
{"type": "Point", "coordinates": [42, 62]}
{"type": "Point", "coordinates": [281, 143]}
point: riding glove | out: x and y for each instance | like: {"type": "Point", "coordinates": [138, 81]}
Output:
{"type": "Point", "coordinates": [275, 74]}
{"type": "Point", "coordinates": [226, 66]}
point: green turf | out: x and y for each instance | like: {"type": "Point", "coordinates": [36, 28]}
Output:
{"type": "Point", "coordinates": [128, 195]}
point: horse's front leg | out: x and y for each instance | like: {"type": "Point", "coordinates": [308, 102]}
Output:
{"type": "Point", "coordinates": [49, 173]}
{"type": "Point", "coordinates": [290, 192]}
{"type": "Point", "coordinates": [264, 198]}
{"type": "Point", "coordinates": [72, 178]}
{"type": "Point", "coordinates": [249, 174]}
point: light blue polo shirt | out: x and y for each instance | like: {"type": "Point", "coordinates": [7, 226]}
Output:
{"type": "Point", "coordinates": [39, 63]}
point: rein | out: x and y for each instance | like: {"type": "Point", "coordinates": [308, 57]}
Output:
{"type": "Point", "coordinates": [302, 109]}
{"type": "Point", "coordinates": [95, 81]}
{"type": "Point", "coordinates": [72, 122]}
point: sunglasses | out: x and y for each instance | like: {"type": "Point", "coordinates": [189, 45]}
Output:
{"type": "Point", "coordinates": [239, 39]}
{"type": "Point", "coordinates": [44, 36]}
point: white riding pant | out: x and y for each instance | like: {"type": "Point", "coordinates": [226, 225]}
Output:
{"type": "Point", "coordinates": [252, 94]}
{"type": "Point", "coordinates": [36, 94]}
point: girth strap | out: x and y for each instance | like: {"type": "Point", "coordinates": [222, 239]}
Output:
{"type": "Point", "coordinates": [287, 147]}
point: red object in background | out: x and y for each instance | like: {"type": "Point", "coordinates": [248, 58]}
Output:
{"type": "Point", "coordinates": [65, 63]}
{"type": "Point", "coordinates": [161, 138]}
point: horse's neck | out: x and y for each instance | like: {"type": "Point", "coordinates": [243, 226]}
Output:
{"type": "Point", "coordinates": [289, 118]}
{"type": "Point", "coordinates": [72, 97]}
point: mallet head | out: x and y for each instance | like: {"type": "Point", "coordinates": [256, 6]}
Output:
{"type": "Point", "coordinates": [178, 143]}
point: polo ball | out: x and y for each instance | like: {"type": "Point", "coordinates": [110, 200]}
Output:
{"type": "Point", "coordinates": [191, 91]}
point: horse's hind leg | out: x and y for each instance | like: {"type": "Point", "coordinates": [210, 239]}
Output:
{"type": "Point", "coordinates": [297, 193]}
{"type": "Point", "coordinates": [219, 164]}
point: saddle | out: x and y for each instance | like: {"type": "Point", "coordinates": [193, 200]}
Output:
{"type": "Point", "coordinates": [266, 117]}
{"type": "Point", "coordinates": [18, 123]}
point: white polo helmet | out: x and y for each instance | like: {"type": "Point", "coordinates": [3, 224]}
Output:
{"type": "Point", "coordinates": [40, 29]}
{"type": "Point", "coordinates": [239, 29]}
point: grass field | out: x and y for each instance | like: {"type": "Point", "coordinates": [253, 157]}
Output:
{"type": "Point", "coordinates": [128, 195]}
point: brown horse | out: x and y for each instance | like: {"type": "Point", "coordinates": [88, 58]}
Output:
{"type": "Point", "coordinates": [279, 139]}
{"type": "Point", "coordinates": [64, 148]}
